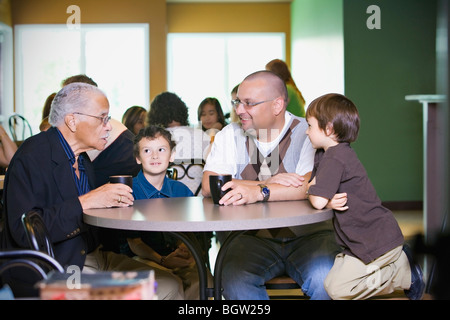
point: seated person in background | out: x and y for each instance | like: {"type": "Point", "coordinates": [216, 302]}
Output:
{"type": "Point", "coordinates": [233, 116]}
{"type": "Point", "coordinates": [117, 157]}
{"type": "Point", "coordinates": [374, 260]}
{"type": "Point", "coordinates": [79, 78]}
{"type": "Point", "coordinates": [134, 118]}
{"type": "Point", "coordinates": [269, 156]}
{"type": "Point", "coordinates": [51, 172]}
{"type": "Point", "coordinates": [210, 116]}
{"type": "Point", "coordinates": [7, 149]}
{"type": "Point", "coordinates": [45, 125]}
{"type": "Point", "coordinates": [169, 111]}
{"type": "Point", "coordinates": [154, 149]}
{"type": "Point", "coordinates": [296, 102]}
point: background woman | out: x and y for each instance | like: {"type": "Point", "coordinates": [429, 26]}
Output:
{"type": "Point", "coordinates": [134, 118]}
{"type": "Point", "coordinates": [296, 103]}
{"type": "Point", "coordinates": [210, 115]}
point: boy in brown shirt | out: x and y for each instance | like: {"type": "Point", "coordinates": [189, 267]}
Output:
{"type": "Point", "coordinates": [374, 260]}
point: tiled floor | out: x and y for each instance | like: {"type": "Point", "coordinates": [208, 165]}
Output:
{"type": "Point", "coordinates": [411, 224]}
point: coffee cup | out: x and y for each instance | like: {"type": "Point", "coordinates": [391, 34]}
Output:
{"type": "Point", "coordinates": [215, 184]}
{"type": "Point", "coordinates": [125, 179]}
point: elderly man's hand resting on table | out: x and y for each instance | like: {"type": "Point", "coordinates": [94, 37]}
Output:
{"type": "Point", "coordinates": [108, 195]}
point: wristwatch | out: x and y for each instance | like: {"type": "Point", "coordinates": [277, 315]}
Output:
{"type": "Point", "coordinates": [265, 191]}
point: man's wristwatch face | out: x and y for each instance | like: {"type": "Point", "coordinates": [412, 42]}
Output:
{"type": "Point", "coordinates": [265, 191]}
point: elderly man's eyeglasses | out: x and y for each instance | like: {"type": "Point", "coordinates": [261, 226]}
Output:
{"type": "Point", "coordinates": [104, 119]}
{"type": "Point", "coordinates": [247, 105]}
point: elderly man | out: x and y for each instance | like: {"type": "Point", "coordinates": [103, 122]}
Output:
{"type": "Point", "coordinates": [51, 172]}
{"type": "Point", "coordinates": [269, 157]}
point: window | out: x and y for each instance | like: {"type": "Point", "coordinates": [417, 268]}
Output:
{"type": "Point", "coordinates": [115, 56]}
{"type": "Point", "coordinates": [204, 65]}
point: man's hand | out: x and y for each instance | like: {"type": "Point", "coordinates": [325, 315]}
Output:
{"type": "Point", "coordinates": [287, 179]}
{"type": "Point", "coordinates": [108, 195]}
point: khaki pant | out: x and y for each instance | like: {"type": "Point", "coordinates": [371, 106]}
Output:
{"type": "Point", "coordinates": [350, 278]}
{"type": "Point", "coordinates": [169, 286]}
{"type": "Point", "coordinates": [188, 275]}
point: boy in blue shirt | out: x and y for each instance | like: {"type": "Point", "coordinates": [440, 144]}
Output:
{"type": "Point", "coordinates": [154, 149]}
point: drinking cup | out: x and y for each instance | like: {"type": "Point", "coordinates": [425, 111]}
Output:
{"type": "Point", "coordinates": [125, 179]}
{"type": "Point", "coordinates": [215, 184]}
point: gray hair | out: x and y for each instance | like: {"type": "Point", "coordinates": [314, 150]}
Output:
{"type": "Point", "coordinates": [71, 98]}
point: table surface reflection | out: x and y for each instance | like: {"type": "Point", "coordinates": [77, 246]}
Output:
{"type": "Point", "coordinates": [201, 214]}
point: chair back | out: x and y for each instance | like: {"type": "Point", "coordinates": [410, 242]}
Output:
{"type": "Point", "coordinates": [190, 172]}
{"type": "Point", "coordinates": [19, 127]}
{"type": "Point", "coordinates": [36, 231]}
{"type": "Point", "coordinates": [172, 173]}
{"type": "Point", "coordinates": [21, 269]}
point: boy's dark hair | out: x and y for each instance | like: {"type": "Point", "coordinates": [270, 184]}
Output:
{"type": "Point", "coordinates": [338, 110]}
{"type": "Point", "coordinates": [152, 132]}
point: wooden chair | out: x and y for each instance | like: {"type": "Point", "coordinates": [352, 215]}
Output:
{"type": "Point", "coordinates": [190, 172]}
{"type": "Point", "coordinates": [284, 287]}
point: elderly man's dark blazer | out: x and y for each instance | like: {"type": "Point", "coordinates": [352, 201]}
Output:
{"type": "Point", "coordinates": [40, 177]}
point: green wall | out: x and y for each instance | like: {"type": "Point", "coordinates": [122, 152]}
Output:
{"type": "Point", "coordinates": [381, 67]}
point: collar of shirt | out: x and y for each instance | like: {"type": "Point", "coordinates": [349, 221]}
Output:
{"type": "Point", "coordinates": [81, 183]}
{"type": "Point", "coordinates": [150, 191]}
{"type": "Point", "coordinates": [66, 147]}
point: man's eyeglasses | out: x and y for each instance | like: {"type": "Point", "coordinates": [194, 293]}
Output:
{"type": "Point", "coordinates": [247, 105]}
{"type": "Point", "coordinates": [104, 119]}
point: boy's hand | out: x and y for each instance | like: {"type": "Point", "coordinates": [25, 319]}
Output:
{"type": "Point", "coordinates": [338, 202]}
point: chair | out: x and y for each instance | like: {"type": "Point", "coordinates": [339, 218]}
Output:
{"type": "Point", "coordinates": [190, 172]}
{"type": "Point", "coordinates": [21, 269]}
{"type": "Point", "coordinates": [39, 260]}
{"type": "Point", "coordinates": [18, 126]}
{"type": "Point", "coordinates": [36, 231]}
{"type": "Point", "coordinates": [291, 289]}
{"type": "Point", "coordinates": [172, 173]}
{"type": "Point", "coordinates": [192, 175]}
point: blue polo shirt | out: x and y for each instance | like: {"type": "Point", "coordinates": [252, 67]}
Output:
{"type": "Point", "coordinates": [142, 189]}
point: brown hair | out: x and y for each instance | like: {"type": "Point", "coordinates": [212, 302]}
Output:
{"type": "Point", "coordinates": [152, 132]}
{"type": "Point", "coordinates": [338, 110]}
{"type": "Point", "coordinates": [132, 115]}
{"type": "Point", "coordinates": [280, 68]}
{"type": "Point", "coordinates": [218, 107]}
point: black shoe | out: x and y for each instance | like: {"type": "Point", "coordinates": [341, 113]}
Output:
{"type": "Point", "coordinates": [417, 289]}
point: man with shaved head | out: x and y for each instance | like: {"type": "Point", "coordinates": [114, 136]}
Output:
{"type": "Point", "coordinates": [270, 158]}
